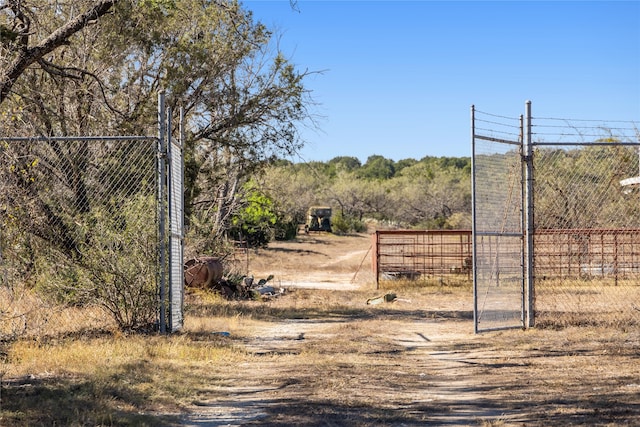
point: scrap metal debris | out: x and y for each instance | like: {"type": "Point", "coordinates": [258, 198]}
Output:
{"type": "Point", "coordinates": [206, 272]}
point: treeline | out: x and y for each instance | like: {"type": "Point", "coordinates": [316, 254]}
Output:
{"type": "Point", "coordinates": [573, 188]}
{"type": "Point", "coordinates": [430, 193]}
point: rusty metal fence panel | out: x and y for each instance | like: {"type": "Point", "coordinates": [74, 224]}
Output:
{"type": "Point", "coordinates": [588, 254]}
{"type": "Point", "coordinates": [440, 255]}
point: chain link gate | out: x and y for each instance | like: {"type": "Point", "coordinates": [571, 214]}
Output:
{"type": "Point", "coordinates": [79, 216]}
{"type": "Point", "coordinates": [556, 216]}
{"type": "Point", "coordinates": [498, 245]}
{"type": "Point", "coordinates": [176, 227]}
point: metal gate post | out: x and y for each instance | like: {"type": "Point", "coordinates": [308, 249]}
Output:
{"type": "Point", "coordinates": [168, 303]}
{"type": "Point", "coordinates": [161, 213]}
{"type": "Point", "coordinates": [529, 220]}
{"type": "Point", "coordinates": [473, 220]}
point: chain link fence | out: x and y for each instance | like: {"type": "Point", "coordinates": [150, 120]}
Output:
{"type": "Point", "coordinates": [78, 233]}
{"type": "Point", "coordinates": [587, 222]}
{"type": "Point", "coordinates": [498, 221]}
{"type": "Point", "coordinates": [556, 221]}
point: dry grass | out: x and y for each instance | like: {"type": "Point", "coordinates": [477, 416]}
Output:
{"type": "Point", "coordinates": [323, 358]}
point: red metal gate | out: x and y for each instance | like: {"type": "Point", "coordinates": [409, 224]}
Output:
{"type": "Point", "coordinates": [421, 254]}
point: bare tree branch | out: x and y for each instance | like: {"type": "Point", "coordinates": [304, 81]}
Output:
{"type": "Point", "coordinates": [30, 55]}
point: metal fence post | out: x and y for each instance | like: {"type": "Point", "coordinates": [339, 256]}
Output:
{"type": "Point", "coordinates": [175, 200]}
{"type": "Point", "coordinates": [473, 220]}
{"type": "Point", "coordinates": [529, 223]}
{"type": "Point", "coordinates": [167, 196]}
{"type": "Point", "coordinates": [375, 257]}
{"type": "Point", "coordinates": [161, 212]}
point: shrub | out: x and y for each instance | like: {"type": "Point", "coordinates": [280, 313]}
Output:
{"type": "Point", "coordinates": [343, 224]}
{"type": "Point", "coordinates": [117, 265]}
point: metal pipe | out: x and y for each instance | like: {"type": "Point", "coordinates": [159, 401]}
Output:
{"type": "Point", "coordinates": [529, 218]}
{"type": "Point", "coordinates": [473, 221]}
{"type": "Point", "coordinates": [161, 157]}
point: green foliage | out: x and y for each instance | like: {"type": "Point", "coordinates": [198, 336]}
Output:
{"type": "Point", "coordinates": [569, 183]}
{"type": "Point", "coordinates": [158, 4]}
{"type": "Point", "coordinates": [345, 163]}
{"type": "Point", "coordinates": [377, 167]}
{"type": "Point", "coordinates": [433, 192]}
{"type": "Point", "coordinates": [120, 257]}
{"type": "Point", "coordinates": [254, 223]}
{"type": "Point", "coordinates": [343, 224]}
{"type": "Point", "coordinates": [243, 101]}
{"type": "Point", "coordinates": [285, 230]}
{"type": "Point", "coordinates": [404, 163]}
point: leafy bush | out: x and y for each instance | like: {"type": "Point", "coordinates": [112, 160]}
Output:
{"type": "Point", "coordinates": [121, 261]}
{"type": "Point", "coordinates": [343, 224]}
{"type": "Point", "coordinates": [286, 230]}
{"type": "Point", "coordinates": [255, 222]}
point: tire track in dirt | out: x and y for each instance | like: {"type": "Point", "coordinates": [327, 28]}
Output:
{"type": "Point", "coordinates": [442, 353]}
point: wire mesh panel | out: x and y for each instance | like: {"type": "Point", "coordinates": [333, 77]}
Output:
{"type": "Point", "coordinates": [587, 223]}
{"type": "Point", "coordinates": [77, 221]}
{"type": "Point", "coordinates": [176, 236]}
{"type": "Point", "coordinates": [497, 220]}
{"type": "Point", "coordinates": [583, 221]}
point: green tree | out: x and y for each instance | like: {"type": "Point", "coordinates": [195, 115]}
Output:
{"type": "Point", "coordinates": [570, 183]}
{"type": "Point", "coordinates": [404, 163]}
{"type": "Point", "coordinates": [294, 188]}
{"type": "Point", "coordinates": [242, 99]}
{"type": "Point", "coordinates": [242, 102]}
{"type": "Point", "coordinates": [428, 195]}
{"type": "Point", "coordinates": [345, 163]}
{"type": "Point", "coordinates": [377, 167]}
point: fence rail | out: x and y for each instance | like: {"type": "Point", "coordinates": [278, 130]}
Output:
{"type": "Point", "coordinates": [587, 253]}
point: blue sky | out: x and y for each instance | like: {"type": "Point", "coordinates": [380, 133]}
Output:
{"type": "Point", "coordinates": [399, 77]}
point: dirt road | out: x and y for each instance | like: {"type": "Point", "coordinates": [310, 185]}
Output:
{"type": "Point", "coordinates": [323, 357]}
{"type": "Point", "coordinates": [316, 261]}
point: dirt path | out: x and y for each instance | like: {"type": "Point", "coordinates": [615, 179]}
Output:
{"type": "Point", "coordinates": [331, 360]}
{"type": "Point", "coordinates": [439, 379]}
{"type": "Point", "coordinates": [317, 261]}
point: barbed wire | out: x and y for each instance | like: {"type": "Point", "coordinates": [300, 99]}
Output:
{"type": "Point", "coordinates": [497, 123]}
{"type": "Point", "coordinates": [634, 122]}
{"type": "Point", "coordinates": [476, 112]}
{"type": "Point", "coordinates": [568, 130]}
{"type": "Point", "coordinates": [493, 132]}
{"type": "Point", "coordinates": [497, 126]}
